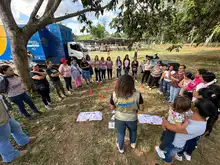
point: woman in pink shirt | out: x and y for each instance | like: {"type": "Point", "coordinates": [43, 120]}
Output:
{"type": "Point", "coordinates": [65, 71]}
{"type": "Point", "coordinates": [126, 64]}
{"type": "Point", "coordinates": [193, 84]}
{"type": "Point", "coordinates": [109, 67]}
{"type": "Point", "coordinates": [103, 67]}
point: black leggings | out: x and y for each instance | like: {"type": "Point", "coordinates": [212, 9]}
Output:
{"type": "Point", "coordinates": [97, 74]}
{"type": "Point", "coordinates": [109, 73]}
{"type": "Point", "coordinates": [145, 76]}
{"type": "Point", "coordinates": [45, 95]}
{"type": "Point", "coordinates": [68, 81]}
{"type": "Point", "coordinates": [103, 74]}
{"type": "Point", "coordinates": [154, 81]}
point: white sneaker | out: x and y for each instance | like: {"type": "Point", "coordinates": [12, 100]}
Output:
{"type": "Point", "coordinates": [120, 151]}
{"type": "Point", "coordinates": [148, 87]}
{"type": "Point", "coordinates": [188, 157]}
{"type": "Point", "coordinates": [48, 107]}
{"type": "Point", "coordinates": [133, 145]}
{"type": "Point", "coordinates": [49, 103]}
{"type": "Point", "coordinates": [69, 92]}
{"type": "Point", "coordinates": [160, 152]}
{"type": "Point", "coordinates": [63, 96]}
{"type": "Point", "coordinates": [179, 158]}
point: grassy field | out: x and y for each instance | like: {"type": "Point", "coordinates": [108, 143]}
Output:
{"type": "Point", "coordinates": [62, 141]}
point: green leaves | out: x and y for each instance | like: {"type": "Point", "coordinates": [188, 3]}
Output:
{"type": "Point", "coordinates": [98, 31]}
{"type": "Point", "coordinates": [175, 20]}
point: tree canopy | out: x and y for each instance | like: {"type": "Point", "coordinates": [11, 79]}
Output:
{"type": "Point", "coordinates": [98, 31]}
{"type": "Point", "coordinates": [169, 20]}
{"type": "Point", "coordinates": [19, 36]}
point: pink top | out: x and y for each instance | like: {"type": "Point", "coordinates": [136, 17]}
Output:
{"type": "Point", "coordinates": [126, 62]}
{"type": "Point", "coordinates": [14, 87]}
{"type": "Point", "coordinates": [103, 65]}
{"type": "Point", "coordinates": [109, 64]}
{"type": "Point", "coordinates": [192, 85]}
{"type": "Point", "coordinates": [65, 70]}
{"type": "Point", "coordinates": [97, 64]}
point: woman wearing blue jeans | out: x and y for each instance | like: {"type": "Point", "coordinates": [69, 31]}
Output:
{"type": "Point", "coordinates": [8, 127]}
{"type": "Point", "coordinates": [16, 93]}
{"type": "Point", "coordinates": [126, 101]}
{"type": "Point", "coordinates": [176, 79]}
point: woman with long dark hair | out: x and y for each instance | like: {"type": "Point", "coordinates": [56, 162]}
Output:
{"type": "Point", "coordinates": [176, 79]}
{"type": "Point", "coordinates": [126, 100]}
{"type": "Point", "coordinates": [103, 68]}
{"type": "Point", "coordinates": [118, 64]}
{"type": "Point", "coordinates": [109, 64]}
{"type": "Point", "coordinates": [85, 70]}
{"type": "Point", "coordinates": [97, 69]}
{"type": "Point", "coordinates": [126, 64]}
{"type": "Point", "coordinates": [16, 92]}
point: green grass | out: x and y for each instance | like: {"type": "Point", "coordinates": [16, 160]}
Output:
{"type": "Point", "coordinates": [62, 141]}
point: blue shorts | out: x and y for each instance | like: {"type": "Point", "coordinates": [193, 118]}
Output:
{"type": "Point", "coordinates": [86, 74]}
{"type": "Point", "coordinates": [171, 151]}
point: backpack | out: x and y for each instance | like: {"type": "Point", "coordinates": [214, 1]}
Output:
{"type": "Point", "coordinates": [3, 84]}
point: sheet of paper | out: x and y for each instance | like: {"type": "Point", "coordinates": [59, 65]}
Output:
{"type": "Point", "coordinates": [89, 116]}
{"type": "Point", "coordinates": [149, 119]}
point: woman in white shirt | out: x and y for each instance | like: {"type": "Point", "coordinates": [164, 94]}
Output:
{"type": "Point", "coordinates": [146, 68]}
{"type": "Point", "coordinates": [167, 80]}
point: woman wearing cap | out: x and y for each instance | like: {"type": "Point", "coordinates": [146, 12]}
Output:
{"type": "Point", "coordinates": [16, 92]}
{"type": "Point", "coordinates": [155, 75]}
{"type": "Point", "coordinates": [65, 71]}
{"type": "Point", "coordinates": [8, 127]}
{"type": "Point", "coordinates": [42, 85]}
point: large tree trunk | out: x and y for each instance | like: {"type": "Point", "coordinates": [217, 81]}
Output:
{"type": "Point", "coordinates": [19, 54]}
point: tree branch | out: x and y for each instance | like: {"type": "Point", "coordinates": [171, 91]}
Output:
{"type": "Point", "coordinates": [7, 16]}
{"type": "Point", "coordinates": [49, 4]}
{"type": "Point", "coordinates": [36, 9]}
{"type": "Point", "coordinates": [54, 7]}
{"type": "Point", "coordinates": [58, 19]}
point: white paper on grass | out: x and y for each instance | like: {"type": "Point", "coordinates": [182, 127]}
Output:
{"type": "Point", "coordinates": [89, 116]}
{"type": "Point", "coordinates": [149, 119]}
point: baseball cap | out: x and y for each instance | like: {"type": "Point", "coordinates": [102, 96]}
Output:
{"type": "Point", "coordinates": [63, 60]}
